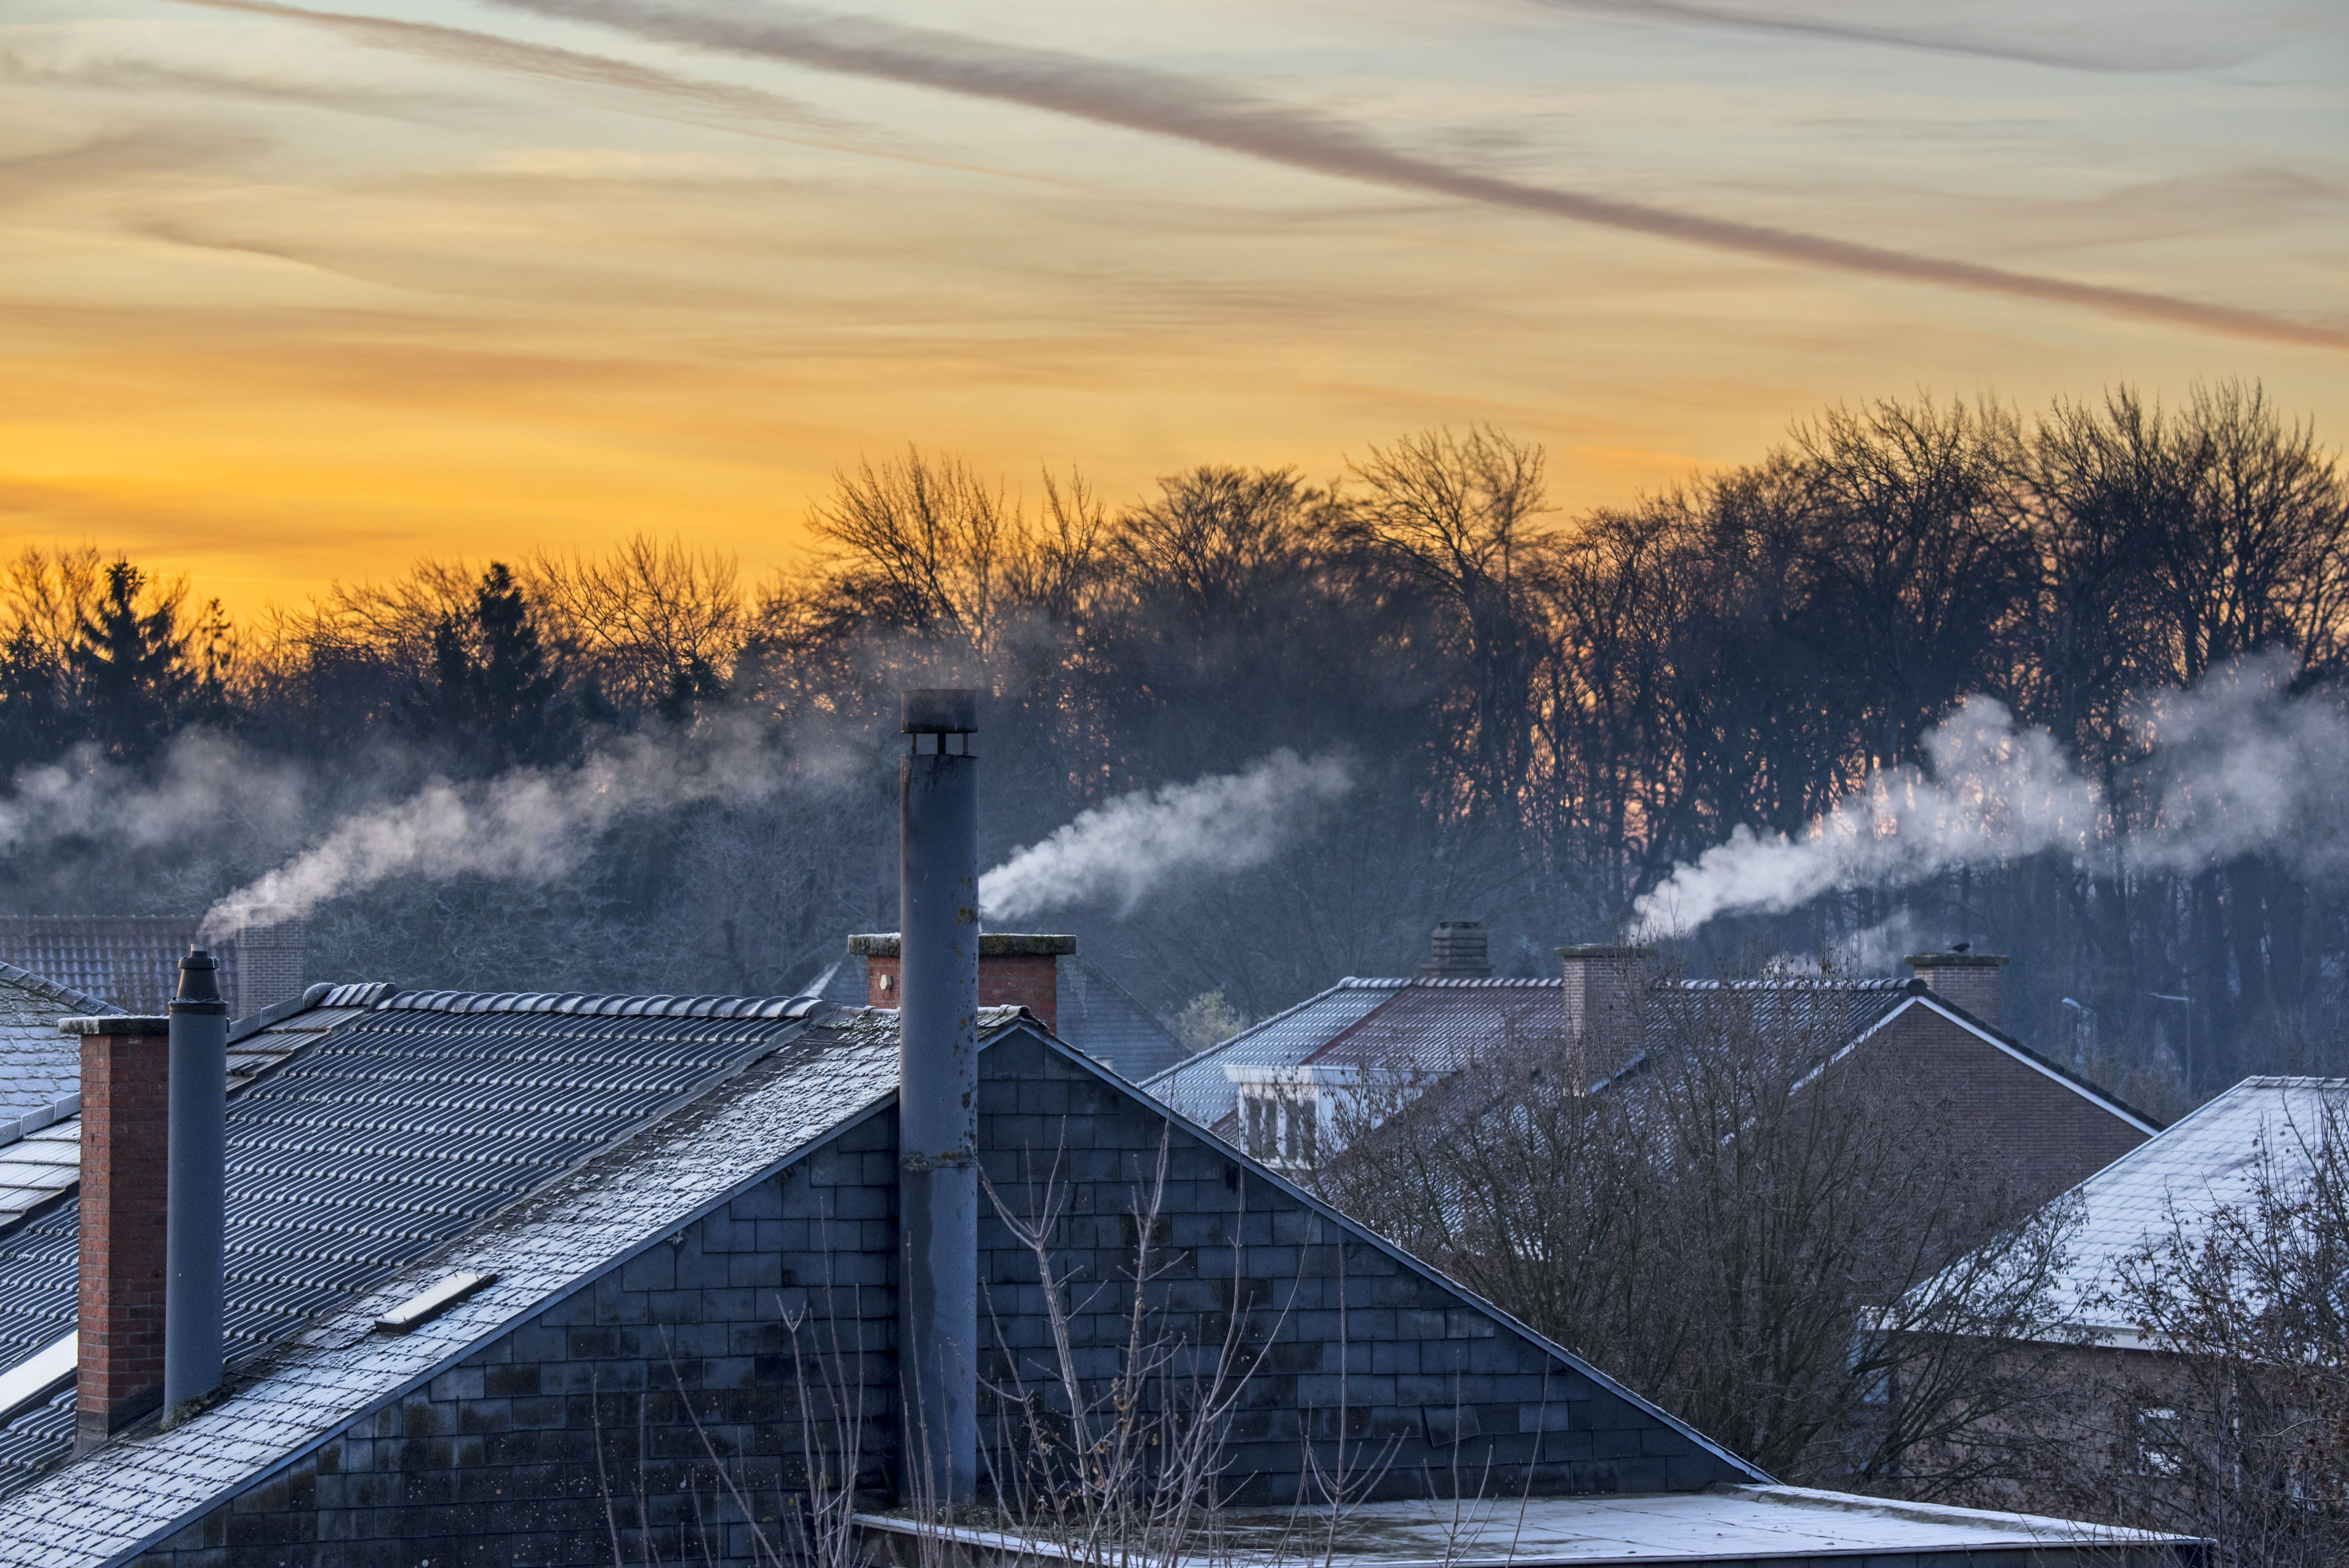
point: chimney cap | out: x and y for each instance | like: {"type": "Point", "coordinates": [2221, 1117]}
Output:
{"type": "Point", "coordinates": [132, 1025]}
{"type": "Point", "coordinates": [199, 991]}
{"type": "Point", "coordinates": [941, 711]}
{"type": "Point", "coordinates": [1602, 950]}
{"type": "Point", "coordinates": [991, 944]}
{"type": "Point", "coordinates": [1955, 960]}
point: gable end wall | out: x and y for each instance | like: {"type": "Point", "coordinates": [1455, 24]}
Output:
{"type": "Point", "coordinates": [2048, 1135]}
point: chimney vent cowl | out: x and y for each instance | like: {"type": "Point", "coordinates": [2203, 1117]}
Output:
{"type": "Point", "coordinates": [941, 711]}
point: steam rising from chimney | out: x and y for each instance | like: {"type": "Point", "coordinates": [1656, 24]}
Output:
{"type": "Point", "coordinates": [2235, 766]}
{"type": "Point", "coordinates": [529, 824]}
{"type": "Point", "coordinates": [1125, 847]}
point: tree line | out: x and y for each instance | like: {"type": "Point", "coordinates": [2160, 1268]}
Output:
{"type": "Point", "coordinates": [1546, 711]}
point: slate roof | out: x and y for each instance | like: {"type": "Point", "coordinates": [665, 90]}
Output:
{"type": "Point", "coordinates": [40, 1069]}
{"type": "Point", "coordinates": [1197, 1087]}
{"type": "Point", "coordinates": [132, 960]}
{"type": "Point", "coordinates": [1103, 1019]}
{"type": "Point", "coordinates": [395, 1125]}
{"type": "Point", "coordinates": [785, 1094]}
{"type": "Point", "coordinates": [1434, 1026]}
{"type": "Point", "coordinates": [2205, 1161]}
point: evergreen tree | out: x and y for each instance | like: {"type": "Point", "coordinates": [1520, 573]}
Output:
{"type": "Point", "coordinates": [492, 697]}
{"type": "Point", "coordinates": [134, 678]}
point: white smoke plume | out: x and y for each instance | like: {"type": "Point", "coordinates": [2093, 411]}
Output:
{"type": "Point", "coordinates": [205, 783]}
{"type": "Point", "coordinates": [529, 824]}
{"type": "Point", "coordinates": [2238, 765]}
{"type": "Point", "coordinates": [1126, 847]}
{"type": "Point", "coordinates": [2234, 766]}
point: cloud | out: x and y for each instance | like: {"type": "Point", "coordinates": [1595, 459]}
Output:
{"type": "Point", "coordinates": [1198, 110]}
{"type": "Point", "coordinates": [488, 51]}
{"type": "Point", "coordinates": [2121, 46]}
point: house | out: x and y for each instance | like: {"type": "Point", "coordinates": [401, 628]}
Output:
{"type": "Point", "coordinates": [1282, 1086]}
{"type": "Point", "coordinates": [2189, 1349]}
{"type": "Point", "coordinates": [2207, 1161]}
{"type": "Point", "coordinates": [132, 960]}
{"type": "Point", "coordinates": [498, 1265]}
{"type": "Point", "coordinates": [40, 1070]}
{"type": "Point", "coordinates": [572, 1279]}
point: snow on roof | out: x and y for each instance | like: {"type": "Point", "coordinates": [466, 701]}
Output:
{"type": "Point", "coordinates": [2204, 1162]}
{"type": "Point", "coordinates": [1198, 1089]}
{"type": "Point", "coordinates": [1759, 1524]}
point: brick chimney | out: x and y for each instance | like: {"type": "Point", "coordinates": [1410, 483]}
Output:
{"type": "Point", "coordinates": [1457, 951]}
{"type": "Point", "coordinates": [1606, 1005]}
{"type": "Point", "coordinates": [125, 1170]}
{"type": "Point", "coordinates": [1014, 970]}
{"type": "Point", "coordinates": [263, 960]}
{"type": "Point", "coordinates": [1969, 979]}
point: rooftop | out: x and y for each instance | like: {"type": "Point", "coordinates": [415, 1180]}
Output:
{"type": "Point", "coordinates": [1764, 1524]}
{"type": "Point", "coordinates": [2207, 1161]}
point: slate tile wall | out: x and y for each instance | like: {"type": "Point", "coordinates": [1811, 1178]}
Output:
{"type": "Point", "coordinates": [1431, 1395]}
{"type": "Point", "coordinates": [655, 1415]}
{"type": "Point", "coordinates": [672, 1377]}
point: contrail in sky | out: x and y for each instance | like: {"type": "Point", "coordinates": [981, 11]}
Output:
{"type": "Point", "coordinates": [1189, 109]}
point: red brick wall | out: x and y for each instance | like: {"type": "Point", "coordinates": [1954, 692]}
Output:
{"type": "Point", "coordinates": [125, 1124]}
{"type": "Point", "coordinates": [1022, 979]}
{"type": "Point", "coordinates": [2046, 1134]}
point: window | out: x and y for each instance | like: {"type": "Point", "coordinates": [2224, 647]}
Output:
{"type": "Point", "coordinates": [2160, 1440]}
{"type": "Point", "coordinates": [1279, 1124]}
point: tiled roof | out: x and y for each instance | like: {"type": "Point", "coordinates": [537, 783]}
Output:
{"type": "Point", "coordinates": [399, 1128]}
{"type": "Point", "coordinates": [132, 960]}
{"type": "Point", "coordinates": [1197, 1087]}
{"type": "Point", "coordinates": [2205, 1161]}
{"type": "Point", "coordinates": [1102, 1019]}
{"type": "Point", "coordinates": [622, 1198]}
{"type": "Point", "coordinates": [39, 1068]}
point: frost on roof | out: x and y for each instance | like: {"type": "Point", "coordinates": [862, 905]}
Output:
{"type": "Point", "coordinates": [311, 1382]}
{"type": "Point", "coordinates": [2205, 1161]}
{"type": "Point", "coordinates": [379, 1143]}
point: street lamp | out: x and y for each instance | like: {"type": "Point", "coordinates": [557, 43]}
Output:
{"type": "Point", "coordinates": [2164, 996]}
{"type": "Point", "coordinates": [2086, 1023]}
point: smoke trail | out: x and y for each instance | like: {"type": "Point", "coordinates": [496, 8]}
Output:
{"type": "Point", "coordinates": [1127, 846]}
{"type": "Point", "coordinates": [205, 783]}
{"type": "Point", "coordinates": [529, 825]}
{"type": "Point", "coordinates": [1189, 109]}
{"type": "Point", "coordinates": [2235, 767]}
{"type": "Point", "coordinates": [1995, 790]}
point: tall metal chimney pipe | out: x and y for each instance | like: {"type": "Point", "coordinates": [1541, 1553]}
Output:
{"type": "Point", "coordinates": [196, 1214]}
{"type": "Point", "coordinates": [938, 1094]}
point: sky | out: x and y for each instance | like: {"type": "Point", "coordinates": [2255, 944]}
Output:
{"type": "Point", "coordinates": [293, 295]}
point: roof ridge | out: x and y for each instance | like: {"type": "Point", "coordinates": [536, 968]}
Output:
{"type": "Point", "coordinates": [1350, 982]}
{"type": "Point", "coordinates": [52, 989]}
{"type": "Point", "coordinates": [586, 1004]}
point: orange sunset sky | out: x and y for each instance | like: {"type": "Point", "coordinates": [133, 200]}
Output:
{"type": "Point", "coordinates": [292, 295]}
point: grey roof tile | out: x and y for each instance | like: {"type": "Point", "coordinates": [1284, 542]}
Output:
{"type": "Point", "coordinates": [400, 1129]}
{"type": "Point", "coordinates": [1103, 1019]}
{"type": "Point", "coordinates": [1198, 1089]}
{"type": "Point", "coordinates": [2205, 1161]}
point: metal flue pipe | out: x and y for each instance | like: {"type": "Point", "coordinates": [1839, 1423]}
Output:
{"type": "Point", "coordinates": [196, 1186]}
{"type": "Point", "coordinates": [938, 1096]}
